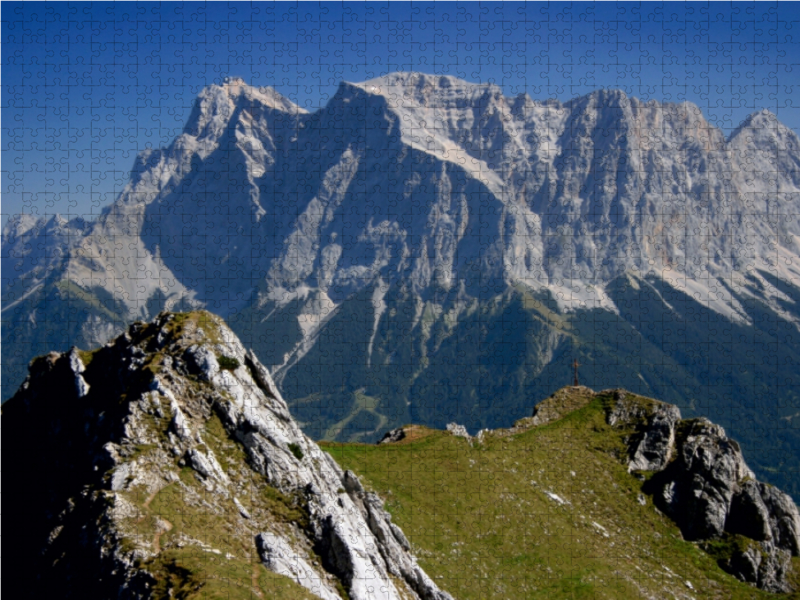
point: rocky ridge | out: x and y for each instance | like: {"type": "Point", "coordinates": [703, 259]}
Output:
{"type": "Point", "coordinates": [696, 475]}
{"type": "Point", "coordinates": [173, 441]}
{"type": "Point", "coordinates": [594, 171]}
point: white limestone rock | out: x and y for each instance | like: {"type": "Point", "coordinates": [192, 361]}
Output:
{"type": "Point", "coordinates": [591, 172]}
{"type": "Point", "coordinates": [76, 364]}
{"type": "Point", "coordinates": [278, 556]}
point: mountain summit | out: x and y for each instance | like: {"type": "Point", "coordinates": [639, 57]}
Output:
{"type": "Point", "coordinates": [426, 249]}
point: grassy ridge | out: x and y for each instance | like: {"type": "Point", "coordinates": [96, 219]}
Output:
{"type": "Point", "coordinates": [536, 512]}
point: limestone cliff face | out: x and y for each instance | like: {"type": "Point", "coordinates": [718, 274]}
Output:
{"type": "Point", "coordinates": [173, 441]}
{"type": "Point", "coordinates": [434, 183]}
{"type": "Point", "coordinates": [422, 178]}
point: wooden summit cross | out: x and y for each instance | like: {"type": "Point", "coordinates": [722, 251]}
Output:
{"type": "Point", "coordinates": [575, 365]}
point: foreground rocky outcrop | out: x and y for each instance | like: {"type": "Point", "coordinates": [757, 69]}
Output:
{"type": "Point", "coordinates": [702, 482]}
{"type": "Point", "coordinates": [171, 443]}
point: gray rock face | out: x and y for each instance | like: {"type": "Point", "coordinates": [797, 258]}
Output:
{"type": "Point", "coordinates": [652, 449]}
{"type": "Point", "coordinates": [346, 536]}
{"type": "Point", "coordinates": [784, 518]}
{"type": "Point", "coordinates": [708, 472]}
{"type": "Point", "coordinates": [483, 184]}
{"type": "Point", "coordinates": [592, 171]}
{"type": "Point", "coordinates": [76, 364]}
{"type": "Point", "coordinates": [352, 528]}
{"type": "Point", "coordinates": [395, 435]}
{"type": "Point", "coordinates": [202, 362]}
{"type": "Point", "coordinates": [352, 531]}
{"type": "Point", "coordinates": [278, 556]}
{"type": "Point", "coordinates": [764, 565]}
{"type": "Point", "coordinates": [206, 464]}
{"type": "Point", "coordinates": [748, 514]}
{"type": "Point", "coordinates": [705, 486]}
{"type": "Point", "coordinates": [655, 449]}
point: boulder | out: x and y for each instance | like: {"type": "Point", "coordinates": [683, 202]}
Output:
{"type": "Point", "coordinates": [395, 435]}
{"type": "Point", "coordinates": [703, 480]}
{"type": "Point", "coordinates": [458, 430]}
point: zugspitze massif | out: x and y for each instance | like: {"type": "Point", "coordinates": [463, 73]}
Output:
{"type": "Point", "coordinates": [427, 250]}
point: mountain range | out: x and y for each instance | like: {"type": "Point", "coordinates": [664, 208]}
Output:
{"type": "Point", "coordinates": [427, 250]}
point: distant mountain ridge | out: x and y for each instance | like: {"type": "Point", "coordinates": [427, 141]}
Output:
{"type": "Point", "coordinates": [427, 249]}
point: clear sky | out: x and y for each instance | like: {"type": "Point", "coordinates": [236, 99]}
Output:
{"type": "Point", "coordinates": [86, 86]}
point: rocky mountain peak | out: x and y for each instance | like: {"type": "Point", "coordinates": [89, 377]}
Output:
{"type": "Point", "coordinates": [173, 441]}
{"type": "Point", "coordinates": [759, 118]}
{"type": "Point", "coordinates": [18, 225]}
{"type": "Point", "coordinates": [762, 130]}
{"type": "Point", "coordinates": [605, 97]}
{"type": "Point", "coordinates": [216, 104]}
{"type": "Point", "coordinates": [427, 90]}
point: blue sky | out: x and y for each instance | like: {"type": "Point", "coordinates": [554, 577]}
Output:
{"type": "Point", "coordinates": [86, 86]}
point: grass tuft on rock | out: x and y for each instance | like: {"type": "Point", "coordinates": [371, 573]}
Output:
{"type": "Point", "coordinates": [228, 363]}
{"type": "Point", "coordinates": [296, 450]}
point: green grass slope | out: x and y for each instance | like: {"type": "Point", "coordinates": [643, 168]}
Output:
{"type": "Point", "coordinates": [544, 511]}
